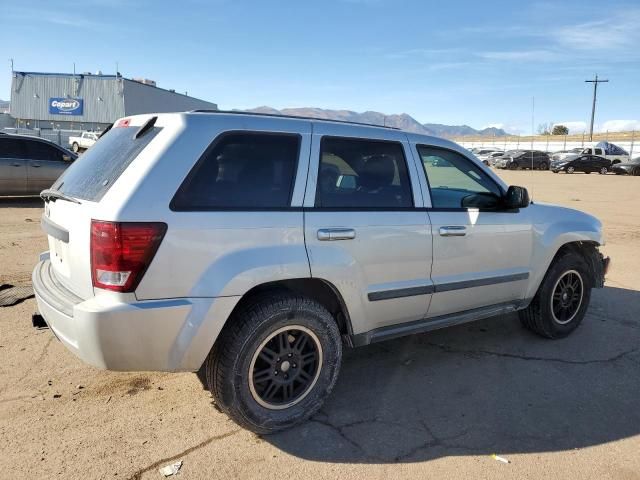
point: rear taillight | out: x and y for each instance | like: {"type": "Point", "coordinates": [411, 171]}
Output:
{"type": "Point", "coordinates": [121, 252]}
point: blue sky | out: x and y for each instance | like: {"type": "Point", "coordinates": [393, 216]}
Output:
{"type": "Point", "coordinates": [457, 62]}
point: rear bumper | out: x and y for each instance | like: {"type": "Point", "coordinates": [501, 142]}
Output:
{"type": "Point", "coordinates": [152, 335]}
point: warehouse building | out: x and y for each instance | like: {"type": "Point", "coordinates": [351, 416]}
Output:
{"type": "Point", "coordinates": [89, 101]}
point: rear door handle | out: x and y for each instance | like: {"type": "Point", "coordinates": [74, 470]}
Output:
{"type": "Point", "coordinates": [453, 231]}
{"type": "Point", "coordinates": [16, 164]}
{"type": "Point", "coordinates": [330, 234]}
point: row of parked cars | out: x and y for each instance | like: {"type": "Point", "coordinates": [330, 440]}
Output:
{"type": "Point", "coordinates": [29, 165]}
{"type": "Point", "coordinates": [603, 158]}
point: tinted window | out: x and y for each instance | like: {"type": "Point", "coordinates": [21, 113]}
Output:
{"type": "Point", "coordinates": [457, 182]}
{"type": "Point", "coordinates": [42, 151]}
{"type": "Point", "coordinates": [242, 170]}
{"type": "Point", "coordinates": [12, 148]}
{"type": "Point", "coordinates": [358, 173]}
{"type": "Point", "coordinates": [91, 175]}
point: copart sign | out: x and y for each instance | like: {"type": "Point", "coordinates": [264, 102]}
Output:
{"type": "Point", "coordinates": [65, 106]}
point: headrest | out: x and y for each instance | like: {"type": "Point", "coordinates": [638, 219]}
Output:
{"type": "Point", "coordinates": [377, 172]}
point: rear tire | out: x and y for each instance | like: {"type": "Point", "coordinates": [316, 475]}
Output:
{"type": "Point", "coordinates": [562, 299]}
{"type": "Point", "coordinates": [544, 166]}
{"type": "Point", "coordinates": [275, 362]}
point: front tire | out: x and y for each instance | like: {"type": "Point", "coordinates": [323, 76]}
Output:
{"type": "Point", "coordinates": [570, 169]}
{"type": "Point", "coordinates": [275, 362]}
{"type": "Point", "coordinates": [544, 166]}
{"type": "Point", "coordinates": [562, 299]}
{"type": "Point", "coordinates": [603, 171]}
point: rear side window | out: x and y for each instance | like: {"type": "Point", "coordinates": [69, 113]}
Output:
{"type": "Point", "coordinates": [242, 170]}
{"type": "Point", "coordinates": [12, 148]}
{"type": "Point", "coordinates": [358, 173]}
{"type": "Point", "coordinates": [42, 151]}
{"type": "Point", "coordinates": [93, 173]}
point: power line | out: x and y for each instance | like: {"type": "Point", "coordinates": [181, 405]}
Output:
{"type": "Point", "coordinates": [593, 107]}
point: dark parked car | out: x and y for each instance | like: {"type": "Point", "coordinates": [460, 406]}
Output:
{"type": "Point", "coordinates": [515, 159]}
{"type": "Point", "coordinates": [632, 167]}
{"type": "Point", "coordinates": [29, 165]}
{"type": "Point", "coordinates": [582, 163]}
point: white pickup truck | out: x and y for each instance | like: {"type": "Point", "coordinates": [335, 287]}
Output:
{"type": "Point", "coordinates": [611, 152]}
{"type": "Point", "coordinates": [84, 141]}
{"type": "Point", "coordinates": [601, 152]}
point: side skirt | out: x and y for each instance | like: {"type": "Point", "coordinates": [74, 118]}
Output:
{"type": "Point", "coordinates": [434, 323]}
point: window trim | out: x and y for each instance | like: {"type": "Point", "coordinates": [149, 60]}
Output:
{"type": "Point", "coordinates": [214, 143]}
{"type": "Point", "coordinates": [317, 208]}
{"type": "Point", "coordinates": [467, 159]}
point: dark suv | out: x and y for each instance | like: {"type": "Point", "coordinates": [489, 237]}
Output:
{"type": "Point", "coordinates": [515, 159]}
{"type": "Point", "coordinates": [29, 165]}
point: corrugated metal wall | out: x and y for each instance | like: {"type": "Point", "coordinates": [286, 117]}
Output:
{"type": "Point", "coordinates": [105, 98]}
{"type": "Point", "coordinates": [102, 97]}
{"type": "Point", "coordinates": [139, 98]}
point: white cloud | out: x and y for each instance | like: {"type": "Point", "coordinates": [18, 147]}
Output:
{"type": "Point", "coordinates": [521, 55]}
{"type": "Point", "coordinates": [618, 31]}
{"type": "Point", "coordinates": [619, 125]}
{"type": "Point", "coordinates": [494, 125]}
{"type": "Point", "coordinates": [574, 126]}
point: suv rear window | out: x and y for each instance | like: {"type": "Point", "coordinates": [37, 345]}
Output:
{"type": "Point", "coordinates": [242, 170]}
{"type": "Point", "coordinates": [363, 174]}
{"type": "Point", "coordinates": [93, 173]}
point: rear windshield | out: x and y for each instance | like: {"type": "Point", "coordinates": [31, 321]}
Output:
{"type": "Point", "coordinates": [93, 173]}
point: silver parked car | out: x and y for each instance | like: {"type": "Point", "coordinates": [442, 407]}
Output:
{"type": "Point", "coordinates": [252, 248]}
{"type": "Point", "coordinates": [28, 165]}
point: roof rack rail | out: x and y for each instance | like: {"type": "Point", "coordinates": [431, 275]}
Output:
{"type": "Point", "coordinates": [280, 115]}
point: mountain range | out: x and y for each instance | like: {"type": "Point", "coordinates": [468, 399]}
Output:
{"type": "Point", "coordinates": [403, 121]}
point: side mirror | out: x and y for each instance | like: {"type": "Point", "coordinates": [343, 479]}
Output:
{"type": "Point", "coordinates": [516, 197]}
{"type": "Point", "coordinates": [66, 158]}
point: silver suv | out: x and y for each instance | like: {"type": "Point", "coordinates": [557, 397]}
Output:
{"type": "Point", "coordinates": [251, 248]}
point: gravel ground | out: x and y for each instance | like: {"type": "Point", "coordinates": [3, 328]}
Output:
{"type": "Point", "coordinates": [429, 406]}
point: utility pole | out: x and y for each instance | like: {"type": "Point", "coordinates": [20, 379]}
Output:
{"type": "Point", "coordinates": [593, 107]}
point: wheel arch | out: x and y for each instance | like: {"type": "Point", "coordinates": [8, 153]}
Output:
{"type": "Point", "coordinates": [320, 290]}
{"type": "Point", "coordinates": [587, 249]}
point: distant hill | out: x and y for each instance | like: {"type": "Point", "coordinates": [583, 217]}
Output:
{"type": "Point", "coordinates": [402, 121]}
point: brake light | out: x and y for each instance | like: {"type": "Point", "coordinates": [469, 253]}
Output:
{"type": "Point", "coordinates": [121, 252]}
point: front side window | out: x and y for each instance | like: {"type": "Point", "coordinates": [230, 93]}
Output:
{"type": "Point", "coordinates": [359, 173]}
{"type": "Point", "coordinates": [244, 170]}
{"type": "Point", "coordinates": [455, 181]}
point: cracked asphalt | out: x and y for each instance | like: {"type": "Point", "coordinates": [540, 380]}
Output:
{"type": "Point", "coordinates": [429, 406]}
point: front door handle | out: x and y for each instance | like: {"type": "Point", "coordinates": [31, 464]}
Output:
{"type": "Point", "coordinates": [453, 231]}
{"type": "Point", "coordinates": [36, 165]}
{"type": "Point", "coordinates": [16, 164]}
{"type": "Point", "coordinates": [330, 234]}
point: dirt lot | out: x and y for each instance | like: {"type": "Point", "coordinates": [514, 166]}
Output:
{"type": "Point", "coordinates": [430, 406]}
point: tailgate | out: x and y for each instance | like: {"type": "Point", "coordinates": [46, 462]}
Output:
{"type": "Point", "coordinates": [67, 226]}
